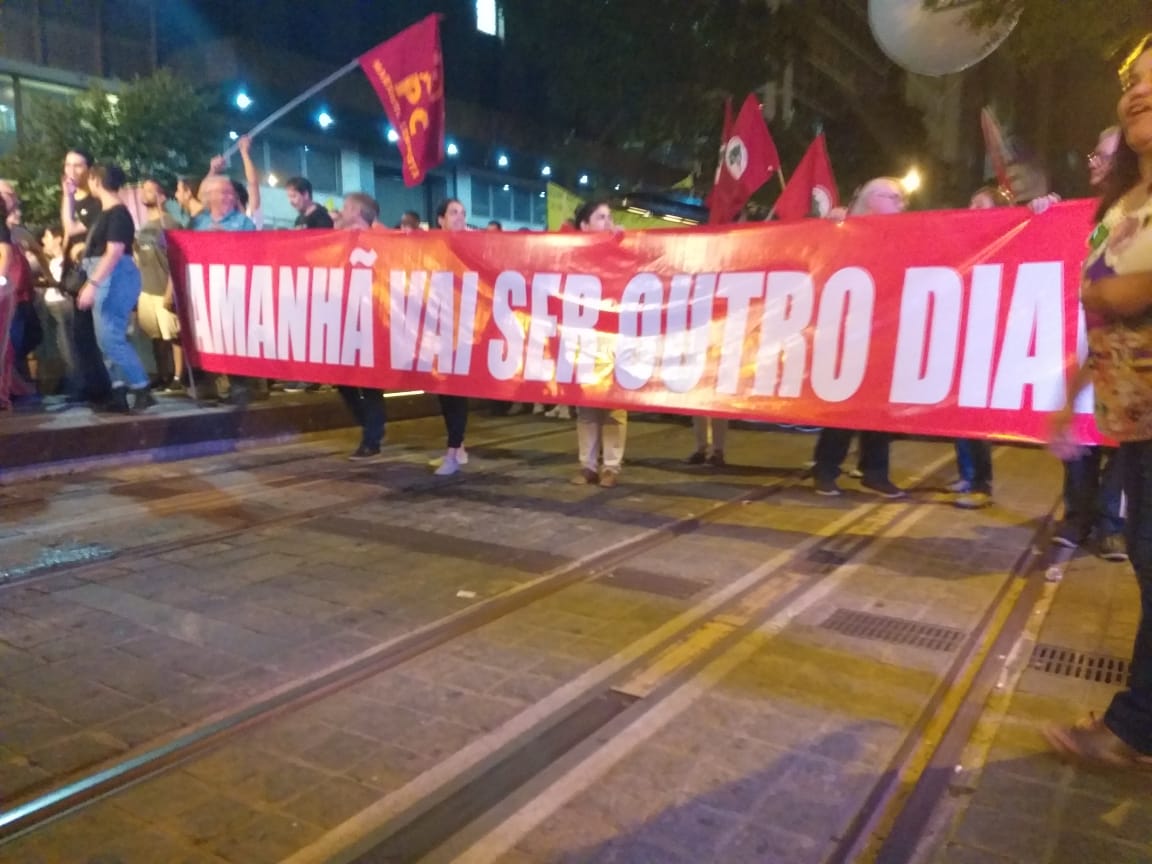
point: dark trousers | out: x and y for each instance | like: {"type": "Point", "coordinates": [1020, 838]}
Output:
{"type": "Point", "coordinates": [832, 449]}
{"type": "Point", "coordinates": [974, 463]}
{"type": "Point", "coordinates": [367, 406]}
{"type": "Point", "coordinates": [455, 411]}
{"type": "Point", "coordinates": [1130, 714]}
{"type": "Point", "coordinates": [1092, 493]}
{"type": "Point", "coordinates": [89, 359]}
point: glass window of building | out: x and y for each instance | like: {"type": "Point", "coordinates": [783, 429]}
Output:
{"type": "Point", "coordinates": [284, 159]}
{"type": "Point", "coordinates": [322, 167]}
{"type": "Point", "coordinates": [34, 94]}
{"type": "Point", "coordinates": [21, 41]}
{"type": "Point", "coordinates": [481, 198]}
{"type": "Point", "coordinates": [502, 202]}
{"type": "Point", "coordinates": [7, 113]}
{"type": "Point", "coordinates": [72, 35]}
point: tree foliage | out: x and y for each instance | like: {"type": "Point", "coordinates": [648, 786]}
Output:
{"type": "Point", "coordinates": [1057, 30]}
{"type": "Point", "coordinates": [158, 126]}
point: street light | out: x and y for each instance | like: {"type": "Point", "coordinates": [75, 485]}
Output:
{"type": "Point", "coordinates": [452, 149]}
{"type": "Point", "coordinates": [273, 180]}
{"type": "Point", "coordinates": [393, 135]}
{"type": "Point", "coordinates": [324, 120]}
{"type": "Point", "coordinates": [233, 135]}
{"type": "Point", "coordinates": [583, 179]}
{"type": "Point", "coordinates": [911, 181]}
{"type": "Point", "coordinates": [243, 101]}
{"type": "Point", "coordinates": [546, 171]}
{"type": "Point", "coordinates": [502, 161]}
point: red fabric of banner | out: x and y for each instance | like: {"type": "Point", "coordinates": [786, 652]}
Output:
{"type": "Point", "coordinates": [407, 73]}
{"type": "Point", "coordinates": [956, 324]}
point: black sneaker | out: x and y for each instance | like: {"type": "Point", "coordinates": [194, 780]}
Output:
{"type": "Point", "coordinates": [716, 460]}
{"type": "Point", "coordinates": [698, 458]}
{"type": "Point", "coordinates": [884, 488]}
{"type": "Point", "coordinates": [365, 454]}
{"type": "Point", "coordinates": [1113, 548]}
{"type": "Point", "coordinates": [142, 399]}
{"type": "Point", "coordinates": [827, 488]}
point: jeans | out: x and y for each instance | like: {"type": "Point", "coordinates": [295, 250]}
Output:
{"type": "Point", "coordinates": [974, 464]}
{"type": "Point", "coordinates": [111, 313]}
{"type": "Point", "coordinates": [1130, 714]}
{"type": "Point", "coordinates": [1092, 495]}
{"type": "Point", "coordinates": [367, 406]}
{"type": "Point", "coordinates": [601, 433]}
{"type": "Point", "coordinates": [832, 449]}
{"type": "Point", "coordinates": [455, 411]}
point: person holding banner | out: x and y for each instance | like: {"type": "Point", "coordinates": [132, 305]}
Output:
{"type": "Point", "coordinates": [600, 432]}
{"type": "Point", "coordinates": [878, 197]}
{"type": "Point", "coordinates": [360, 213]}
{"type": "Point", "coordinates": [1116, 293]}
{"type": "Point", "coordinates": [451, 216]}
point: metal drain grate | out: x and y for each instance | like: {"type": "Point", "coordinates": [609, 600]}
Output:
{"type": "Point", "coordinates": [1101, 668]}
{"type": "Point", "coordinates": [898, 631]}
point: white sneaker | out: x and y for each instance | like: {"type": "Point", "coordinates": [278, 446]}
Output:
{"type": "Point", "coordinates": [960, 486]}
{"type": "Point", "coordinates": [856, 473]}
{"type": "Point", "coordinates": [449, 465]}
{"type": "Point", "coordinates": [461, 456]}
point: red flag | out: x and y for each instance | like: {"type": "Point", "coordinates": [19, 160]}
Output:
{"type": "Point", "coordinates": [748, 160]}
{"type": "Point", "coordinates": [407, 73]}
{"type": "Point", "coordinates": [812, 187]}
{"type": "Point", "coordinates": [998, 150]}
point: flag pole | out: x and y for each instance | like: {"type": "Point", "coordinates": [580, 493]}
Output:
{"type": "Point", "coordinates": [284, 109]}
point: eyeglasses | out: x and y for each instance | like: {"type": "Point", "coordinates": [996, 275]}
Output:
{"type": "Point", "coordinates": [1096, 159]}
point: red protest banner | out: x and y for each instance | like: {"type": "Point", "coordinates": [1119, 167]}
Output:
{"type": "Point", "coordinates": [958, 324]}
{"type": "Point", "coordinates": [407, 73]}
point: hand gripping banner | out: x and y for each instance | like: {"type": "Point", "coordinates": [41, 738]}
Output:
{"type": "Point", "coordinates": [956, 324]}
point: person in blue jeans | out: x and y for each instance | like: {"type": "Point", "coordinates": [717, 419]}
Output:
{"type": "Point", "coordinates": [112, 289]}
{"type": "Point", "coordinates": [974, 465]}
{"type": "Point", "coordinates": [1116, 293]}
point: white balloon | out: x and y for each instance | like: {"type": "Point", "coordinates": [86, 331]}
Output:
{"type": "Point", "coordinates": [932, 41]}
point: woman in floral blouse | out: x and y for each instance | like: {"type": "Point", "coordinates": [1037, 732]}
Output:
{"type": "Point", "coordinates": [1117, 298]}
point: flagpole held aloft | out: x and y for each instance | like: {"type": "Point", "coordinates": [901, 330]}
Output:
{"type": "Point", "coordinates": [288, 106]}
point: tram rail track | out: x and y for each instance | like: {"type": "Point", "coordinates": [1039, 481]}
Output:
{"type": "Point", "coordinates": [43, 807]}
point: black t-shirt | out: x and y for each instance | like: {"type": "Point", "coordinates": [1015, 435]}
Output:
{"type": "Point", "coordinates": [318, 218]}
{"type": "Point", "coordinates": [114, 225]}
{"type": "Point", "coordinates": [86, 211]}
{"type": "Point", "coordinates": [5, 234]}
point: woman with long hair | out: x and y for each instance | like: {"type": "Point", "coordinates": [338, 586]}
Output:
{"type": "Point", "coordinates": [1116, 292]}
{"type": "Point", "coordinates": [600, 432]}
{"type": "Point", "coordinates": [112, 289]}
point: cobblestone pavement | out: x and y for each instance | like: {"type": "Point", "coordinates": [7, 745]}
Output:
{"type": "Point", "coordinates": [234, 576]}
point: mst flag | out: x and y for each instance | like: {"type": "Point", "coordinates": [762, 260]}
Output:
{"type": "Point", "coordinates": [407, 73]}
{"type": "Point", "coordinates": [747, 161]}
{"type": "Point", "coordinates": [812, 187]}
